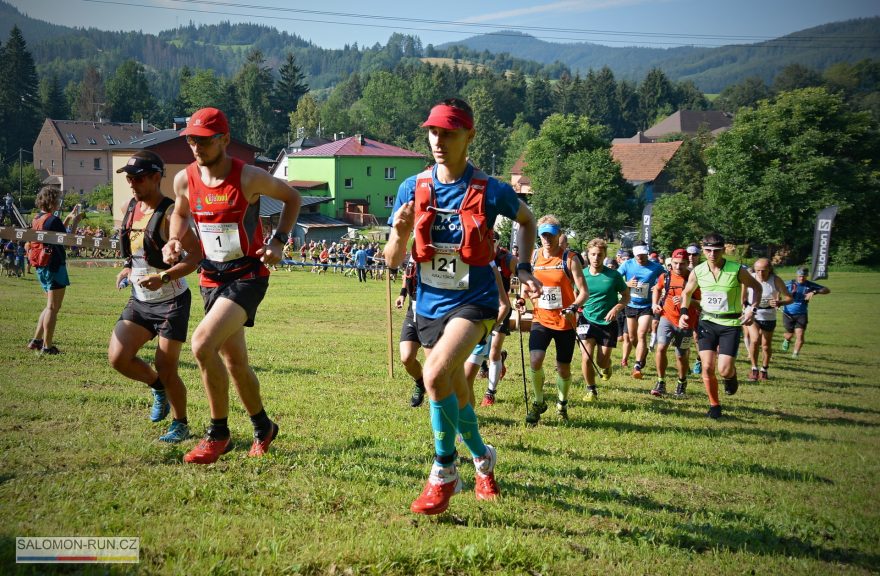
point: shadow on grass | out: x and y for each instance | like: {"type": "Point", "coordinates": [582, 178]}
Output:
{"type": "Point", "coordinates": [812, 420]}
{"type": "Point", "coordinates": [679, 469]}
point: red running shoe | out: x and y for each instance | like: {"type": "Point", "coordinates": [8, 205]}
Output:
{"type": "Point", "coordinates": [261, 447]}
{"type": "Point", "coordinates": [208, 451]}
{"type": "Point", "coordinates": [753, 375]}
{"type": "Point", "coordinates": [442, 485]}
{"type": "Point", "coordinates": [488, 399]}
{"type": "Point", "coordinates": [637, 372]}
{"type": "Point", "coordinates": [485, 486]}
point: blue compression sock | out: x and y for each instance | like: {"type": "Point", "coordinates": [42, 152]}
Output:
{"type": "Point", "coordinates": [444, 422]}
{"type": "Point", "coordinates": [470, 431]}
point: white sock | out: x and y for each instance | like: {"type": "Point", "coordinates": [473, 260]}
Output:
{"type": "Point", "coordinates": [494, 373]}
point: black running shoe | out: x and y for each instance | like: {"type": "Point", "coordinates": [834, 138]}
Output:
{"type": "Point", "coordinates": [418, 396]}
{"type": "Point", "coordinates": [731, 385]}
{"type": "Point", "coordinates": [681, 388]}
{"type": "Point", "coordinates": [714, 412]}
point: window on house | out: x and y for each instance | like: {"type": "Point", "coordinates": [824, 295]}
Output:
{"type": "Point", "coordinates": [82, 163]}
{"type": "Point", "coordinates": [285, 171]}
{"type": "Point", "coordinates": [71, 138]}
{"type": "Point", "coordinates": [41, 164]}
{"type": "Point", "coordinates": [390, 173]}
{"type": "Point", "coordinates": [92, 141]}
{"type": "Point", "coordinates": [53, 165]}
{"type": "Point", "coordinates": [97, 163]}
{"type": "Point", "coordinates": [349, 182]}
{"type": "Point", "coordinates": [369, 170]}
{"type": "Point", "coordinates": [389, 201]}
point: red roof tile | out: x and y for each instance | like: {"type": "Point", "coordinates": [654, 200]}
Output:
{"type": "Point", "coordinates": [643, 162]}
{"type": "Point", "coordinates": [352, 146]}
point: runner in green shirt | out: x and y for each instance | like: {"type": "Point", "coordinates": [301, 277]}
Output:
{"type": "Point", "coordinates": [597, 326]}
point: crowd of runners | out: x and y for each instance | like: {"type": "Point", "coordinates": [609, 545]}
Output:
{"type": "Point", "coordinates": [456, 286]}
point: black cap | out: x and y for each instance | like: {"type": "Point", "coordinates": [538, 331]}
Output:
{"type": "Point", "coordinates": [142, 162]}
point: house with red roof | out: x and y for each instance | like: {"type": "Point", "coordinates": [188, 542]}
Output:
{"type": "Point", "coordinates": [644, 165]}
{"type": "Point", "coordinates": [360, 175]}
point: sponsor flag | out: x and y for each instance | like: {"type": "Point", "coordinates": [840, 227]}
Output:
{"type": "Point", "coordinates": [822, 243]}
{"type": "Point", "coordinates": [646, 224]}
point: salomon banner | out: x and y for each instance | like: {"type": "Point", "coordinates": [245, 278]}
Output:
{"type": "Point", "coordinates": [646, 224]}
{"type": "Point", "coordinates": [822, 243]}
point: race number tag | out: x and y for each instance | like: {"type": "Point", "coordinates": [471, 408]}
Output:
{"type": "Point", "coordinates": [220, 241]}
{"type": "Point", "coordinates": [144, 295]}
{"type": "Point", "coordinates": [765, 303]}
{"type": "Point", "coordinates": [445, 271]}
{"type": "Point", "coordinates": [714, 301]}
{"type": "Point", "coordinates": [641, 290]}
{"type": "Point", "coordinates": [582, 329]}
{"type": "Point", "coordinates": [551, 298]}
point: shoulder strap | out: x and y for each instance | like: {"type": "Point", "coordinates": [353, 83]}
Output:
{"type": "Point", "coordinates": [566, 254]}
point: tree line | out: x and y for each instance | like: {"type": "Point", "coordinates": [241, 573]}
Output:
{"type": "Point", "coordinates": [575, 116]}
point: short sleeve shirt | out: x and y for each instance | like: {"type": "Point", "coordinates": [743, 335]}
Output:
{"type": "Point", "coordinates": [799, 293]}
{"type": "Point", "coordinates": [647, 275]}
{"type": "Point", "coordinates": [501, 200]}
{"type": "Point", "coordinates": [604, 289]}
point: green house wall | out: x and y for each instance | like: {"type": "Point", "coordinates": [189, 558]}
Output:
{"type": "Point", "coordinates": [367, 174]}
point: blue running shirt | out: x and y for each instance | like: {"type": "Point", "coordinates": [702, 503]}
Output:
{"type": "Point", "coordinates": [501, 200]}
{"type": "Point", "coordinates": [647, 275]}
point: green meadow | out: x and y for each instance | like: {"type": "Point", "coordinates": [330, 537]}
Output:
{"type": "Point", "coordinates": [787, 482]}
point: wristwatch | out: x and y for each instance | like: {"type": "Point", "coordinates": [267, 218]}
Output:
{"type": "Point", "coordinates": [164, 277]}
{"type": "Point", "coordinates": [524, 266]}
{"type": "Point", "coordinates": [280, 236]}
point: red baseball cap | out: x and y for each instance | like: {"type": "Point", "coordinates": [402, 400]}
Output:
{"type": "Point", "coordinates": [679, 253]}
{"type": "Point", "coordinates": [206, 122]}
{"type": "Point", "coordinates": [448, 117]}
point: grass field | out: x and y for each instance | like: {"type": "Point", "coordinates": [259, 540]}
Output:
{"type": "Point", "coordinates": [786, 483]}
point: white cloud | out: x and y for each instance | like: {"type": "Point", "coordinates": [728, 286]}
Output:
{"type": "Point", "coordinates": [566, 6]}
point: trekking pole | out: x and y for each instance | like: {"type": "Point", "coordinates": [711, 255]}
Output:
{"type": "Point", "coordinates": [583, 346]}
{"type": "Point", "coordinates": [522, 356]}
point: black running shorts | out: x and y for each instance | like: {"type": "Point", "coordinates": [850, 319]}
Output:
{"type": "Point", "coordinates": [246, 293]}
{"type": "Point", "coordinates": [168, 319]}
{"type": "Point", "coordinates": [603, 334]}
{"type": "Point", "coordinates": [409, 332]}
{"type": "Point", "coordinates": [541, 336]}
{"type": "Point", "coordinates": [712, 336]}
{"type": "Point", "coordinates": [431, 329]}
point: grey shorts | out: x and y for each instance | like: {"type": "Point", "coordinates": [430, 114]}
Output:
{"type": "Point", "coordinates": [667, 334]}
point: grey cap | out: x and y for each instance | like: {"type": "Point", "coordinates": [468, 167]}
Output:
{"type": "Point", "coordinates": [801, 271]}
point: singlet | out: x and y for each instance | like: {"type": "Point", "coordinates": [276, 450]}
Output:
{"type": "Point", "coordinates": [557, 291]}
{"type": "Point", "coordinates": [721, 299]}
{"type": "Point", "coordinates": [445, 283]}
{"type": "Point", "coordinates": [763, 311]}
{"type": "Point", "coordinates": [640, 296]}
{"type": "Point", "coordinates": [671, 310]}
{"type": "Point", "coordinates": [605, 289]}
{"type": "Point", "coordinates": [228, 226]}
{"type": "Point", "coordinates": [140, 267]}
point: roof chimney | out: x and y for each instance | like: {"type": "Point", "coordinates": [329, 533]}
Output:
{"type": "Point", "coordinates": [359, 138]}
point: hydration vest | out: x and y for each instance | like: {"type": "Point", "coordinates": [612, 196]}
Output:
{"type": "Point", "coordinates": [477, 246]}
{"type": "Point", "coordinates": [153, 242]}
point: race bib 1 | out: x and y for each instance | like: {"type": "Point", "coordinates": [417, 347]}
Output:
{"type": "Point", "coordinates": [551, 298]}
{"type": "Point", "coordinates": [445, 271]}
{"type": "Point", "coordinates": [220, 241]}
{"type": "Point", "coordinates": [714, 301]}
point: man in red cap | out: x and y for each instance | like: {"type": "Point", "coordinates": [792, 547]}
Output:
{"type": "Point", "coordinates": [452, 209]}
{"type": "Point", "coordinates": [667, 303]}
{"type": "Point", "coordinates": [222, 195]}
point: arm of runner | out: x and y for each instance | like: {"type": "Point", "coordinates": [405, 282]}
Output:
{"type": "Point", "coordinates": [192, 255]}
{"type": "Point", "coordinates": [656, 293]}
{"type": "Point", "coordinates": [620, 306]}
{"type": "Point", "coordinates": [72, 219]}
{"type": "Point", "coordinates": [751, 286]}
{"type": "Point", "coordinates": [815, 289]}
{"type": "Point", "coordinates": [686, 294]}
{"type": "Point", "coordinates": [404, 220]}
{"type": "Point", "coordinates": [179, 223]}
{"type": "Point", "coordinates": [256, 182]}
{"type": "Point", "coordinates": [525, 242]}
{"type": "Point", "coordinates": [580, 283]}
{"type": "Point", "coordinates": [784, 297]}
{"type": "Point", "coordinates": [503, 300]}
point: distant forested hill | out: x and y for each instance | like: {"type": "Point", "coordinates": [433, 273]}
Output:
{"type": "Point", "coordinates": [66, 52]}
{"type": "Point", "coordinates": [711, 69]}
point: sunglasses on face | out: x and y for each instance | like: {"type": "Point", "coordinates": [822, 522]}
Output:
{"type": "Point", "coordinates": [705, 249]}
{"type": "Point", "coordinates": [137, 179]}
{"type": "Point", "coordinates": [201, 140]}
